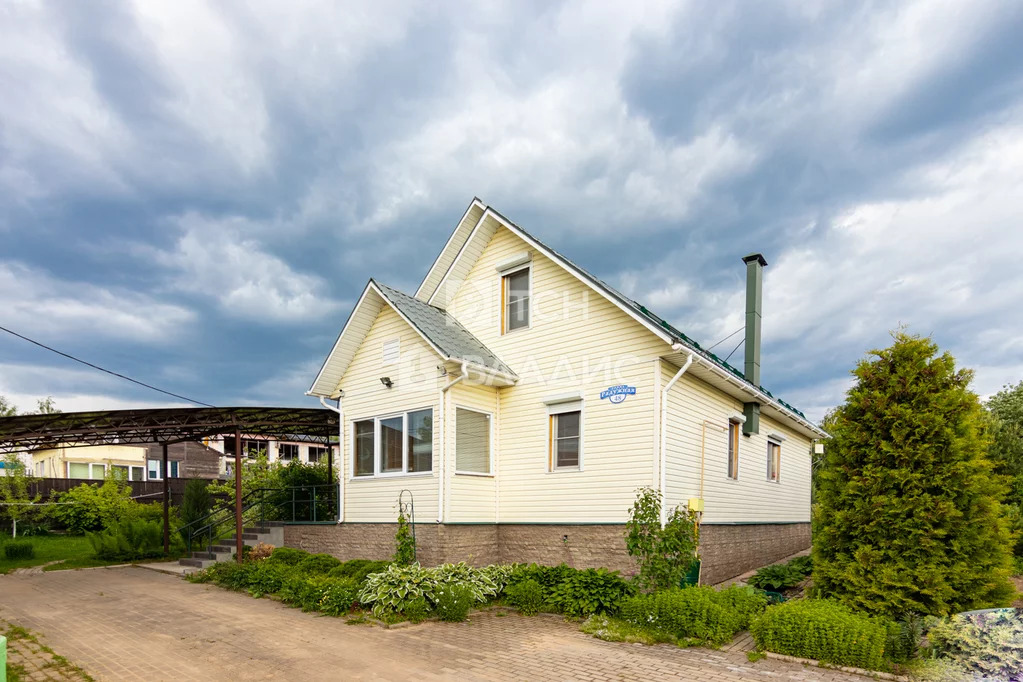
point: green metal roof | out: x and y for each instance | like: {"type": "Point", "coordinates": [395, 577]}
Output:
{"type": "Point", "coordinates": [639, 308]}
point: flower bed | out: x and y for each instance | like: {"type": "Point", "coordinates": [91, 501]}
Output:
{"type": "Point", "coordinates": [394, 593]}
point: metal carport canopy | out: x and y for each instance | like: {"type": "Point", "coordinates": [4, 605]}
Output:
{"type": "Point", "coordinates": [166, 426]}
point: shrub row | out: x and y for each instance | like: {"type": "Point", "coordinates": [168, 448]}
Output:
{"type": "Point", "coordinates": [700, 614]}
{"type": "Point", "coordinates": [824, 630]}
{"type": "Point", "coordinates": [132, 540]}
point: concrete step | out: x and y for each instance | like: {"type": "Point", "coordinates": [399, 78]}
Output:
{"type": "Point", "coordinates": [246, 537]}
{"type": "Point", "coordinates": [198, 563]}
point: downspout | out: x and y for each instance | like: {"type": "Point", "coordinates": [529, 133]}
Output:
{"type": "Point", "coordinates": [340, 452]}
{"type": "Point", "coordinates": [662, 468]}
{"type": "Point", "coordinates": [443, 438]}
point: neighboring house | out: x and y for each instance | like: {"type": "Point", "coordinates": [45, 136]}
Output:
{"type": "Point", "coordinates": [296, 449]}
{"type": "Point", "coordinates": [522, 402]}
{"type": "Point", "coordinates": [90, 462]}
{"type": "Point", "coordinates": [135, 462]}
{"type": "Point", "coordinates": [185, 460]}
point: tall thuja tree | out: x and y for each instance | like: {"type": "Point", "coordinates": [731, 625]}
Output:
{"type": "Point", "coordinates": [909, 518]}
{"type": "Point", "coordinates": [1006, 410]}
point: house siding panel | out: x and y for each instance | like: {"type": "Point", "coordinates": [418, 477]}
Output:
{"type": "Point", "coordinates": [472, 499]}
{"type": "Point", "coordinates": [698, 411]}
{"type": "Point", "coordinates": [577, 341]}
{"type": "Point", "coordinates": [416, 386]}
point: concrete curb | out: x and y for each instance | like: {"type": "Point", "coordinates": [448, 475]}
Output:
{"type": "Point", "coordinates": [876, 674]}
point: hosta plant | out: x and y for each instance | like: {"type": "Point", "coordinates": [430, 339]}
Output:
{"type": "Point", "coordinates": [481, 586]}
{"type": "Point", "coordinates": [591, 591]}
{"type": "Point", "coordinates": [394, 589]}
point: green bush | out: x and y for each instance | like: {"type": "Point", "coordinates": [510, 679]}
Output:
{"type": "Point", "coordinates": [16, 549]}
{"type": "Point", "coordinates": [392, 591]}
{"type": "Point", "coordinates": [31, 530]}
{"type": "Point", "coordinates": [692, 613]}
{"type": "Point", "coordinates": [476, 580]}
{"type": "Point", "coordinates": [666, 553]}
{"type": "Point", "coordinates": [266, 578]}
{"type": "Point", "coordinates": [195, 506]}
{"type": "Point", "coordinates": [989, 645]}
{"type": "Point", "coordinates": [747, 602]}
{"type": "Point", "coordinates": [591, 591]}
{"type": "Point", "coordinates": [499, 574]}
{"type": "Point", "coordinates": [133, 540]}
{"type": "Point", "coordinates": [94, 507]}
{"type": "Point", "coordinates": [358, 569]}
{"type": "Point", "coordinates": [527, 596]}
{"type": "Point", "coordinates": [824, 630]}
{"type": "Point", "coordinates": [803, 564]}
{"type": "Point", "coordinates": [304, 477]}
{"type": "Point", "coordinates": [548, 577]}
{"type": "Point", "coordinates": [336, 595]}
{"type": "Point", "coordinates": [404, 541]}
{"type": "Point", "coordinates": [228, 574]}
{"type": "Point", "coordinates": [909, 517]}
{"type": "Point", "coordinates": [296, 590]}
{"type": "Point", "coordinates": [316, 564]}
{"type": "Point", "coordinates": [417, 610]}
{"type": "Point", "coordinates": [777, 577]}
{"type": "Point", "coordinates": [288, 556]}
{"type": "Point", "coordinates": [453, 602]}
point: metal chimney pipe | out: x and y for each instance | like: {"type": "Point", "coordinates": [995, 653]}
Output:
{"type": "Point", "coordinates": [754, 305]}
{"type": "Point", "coordinates": [755, 263]}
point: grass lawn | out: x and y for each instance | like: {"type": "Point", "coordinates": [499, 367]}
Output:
{"type": "Point", "coordinates": [72, 551]}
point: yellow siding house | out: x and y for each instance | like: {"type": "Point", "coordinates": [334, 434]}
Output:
{"type": "Point", "coordinates": [520, 402]}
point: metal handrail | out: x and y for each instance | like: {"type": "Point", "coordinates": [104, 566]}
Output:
{"type": "Point", "coordinates": [252, 499]}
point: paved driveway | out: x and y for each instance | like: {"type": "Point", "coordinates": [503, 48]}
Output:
{"type": "Point", "coordinates": [130, 623]}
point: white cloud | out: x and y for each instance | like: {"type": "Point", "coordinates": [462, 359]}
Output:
{"type": "Point", "coordinates": [944, 262]}
{"type": "Point", "coordinates": [216, 258]}
{"type": "Point", "coordinates": [37, 304]}
{"type": "Point", "coordinates": [55, 129]}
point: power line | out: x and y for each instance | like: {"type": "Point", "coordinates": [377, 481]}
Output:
{"type": "Point", "coordinates": [89, 364]}
{"type": "Point", "coordinates": [727, 337]}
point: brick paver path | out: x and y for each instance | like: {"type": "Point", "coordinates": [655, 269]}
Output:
{"type": "Point", "coordinates": [131, 623]}
{"type": "Point", "coordinates": [34, 663]}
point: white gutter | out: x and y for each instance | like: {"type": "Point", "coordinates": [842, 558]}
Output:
{"type": "Point", "coordinates": [761, 397]}
{"type": "Point", "coordinates": [663, 452]}
{"type": "Point", "coordinates": [341, 455]}
{"type": "Point", "coordinates": [443, 442]}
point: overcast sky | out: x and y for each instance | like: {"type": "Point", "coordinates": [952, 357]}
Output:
{"type": "Point", "coordinates": [194, 194]}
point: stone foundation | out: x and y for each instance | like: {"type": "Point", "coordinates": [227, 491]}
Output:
{"type": "Point", "coordinates": [727, 550]}
{"type": "Point", "coordinates": [731, 550]}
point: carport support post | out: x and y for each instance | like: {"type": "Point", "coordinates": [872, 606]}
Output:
{"type": "Point", "coordinates": [166, 504]}
{"type": "Point", "coordinates": [238, 494]}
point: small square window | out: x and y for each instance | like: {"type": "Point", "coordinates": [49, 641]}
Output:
{"type": "Point", "coordinates": [287, 451]}
{"type": "Point", "coordinates": [317, 453]}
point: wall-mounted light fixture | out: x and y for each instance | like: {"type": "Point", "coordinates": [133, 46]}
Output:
{"type": "Point", "coordinates": [386, 381]}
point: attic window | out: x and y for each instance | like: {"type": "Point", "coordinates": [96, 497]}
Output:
{"type": "Point", "coordinates": [515, 290]}
{"type": "Point", "coordinates": [392, 352]}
